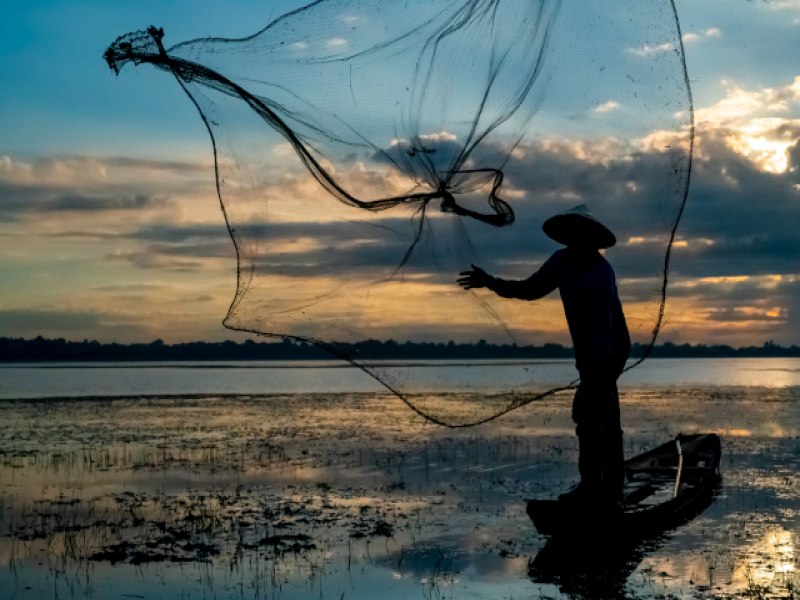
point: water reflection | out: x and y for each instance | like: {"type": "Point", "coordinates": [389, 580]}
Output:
{"type": "Point", "coordinates": [771, 562]}
{"type": "Point", "coordinates": [591, 569]}
{"type": "Point", "coordinates": [302, 496]}
{"type": "Point", "coordinates": [598, 564]}
{"type": "Point", "coordinates": [59, 380]}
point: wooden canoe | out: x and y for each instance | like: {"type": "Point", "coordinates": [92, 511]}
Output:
{"type": "Point", "coordinates": [664, 487]}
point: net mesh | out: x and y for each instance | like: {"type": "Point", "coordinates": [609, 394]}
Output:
{"type": "Point", "coordinates": [368, 151]}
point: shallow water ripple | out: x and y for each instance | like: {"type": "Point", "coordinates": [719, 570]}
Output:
{"type": "Point", "coordinates": [340, 495]}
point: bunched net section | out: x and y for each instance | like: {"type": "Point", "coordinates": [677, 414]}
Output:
{"type": "Point", "coordinates": [367, 151]}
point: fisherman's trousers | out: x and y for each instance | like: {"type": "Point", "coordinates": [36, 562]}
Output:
{"type": "Point", "coordinates": [595, 411]}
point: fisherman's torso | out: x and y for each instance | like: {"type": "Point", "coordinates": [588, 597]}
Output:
{"type": "Point", "coordinates": [593, 310]}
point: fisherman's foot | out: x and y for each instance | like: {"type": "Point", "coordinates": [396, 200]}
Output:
{"type": "Point", "coordinates": [579, 494]}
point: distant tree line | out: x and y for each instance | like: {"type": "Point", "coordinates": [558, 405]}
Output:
{"type": "Point", "coordinates": [41, 349]}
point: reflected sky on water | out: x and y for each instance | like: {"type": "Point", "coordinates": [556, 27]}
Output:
{"type": "Point", "coordinates": [40, 380]}
{"type": "Point", "coordinates": [344, 495]}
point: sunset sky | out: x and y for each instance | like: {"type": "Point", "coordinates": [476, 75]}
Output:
{"type": "Point", "coordinates": [111, 228]}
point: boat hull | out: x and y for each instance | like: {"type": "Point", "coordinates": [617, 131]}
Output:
{"type": "Point", "coordinates": [664, 488]}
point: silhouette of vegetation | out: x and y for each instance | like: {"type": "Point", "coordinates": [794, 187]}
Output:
{"type": "Point", "coordinates": [42, 350]}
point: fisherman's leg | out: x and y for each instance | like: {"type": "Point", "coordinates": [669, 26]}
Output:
{"type": "Point", "coordinates": [595, 411]}
{"type": "Point", "coordinates": [590, 465]}
{"type": "Point", "coordinates": [588, 430]}
{"type": "Point", "coordinates": [611, 450]}
{"type": "Point", "coordinates": [613, 463]}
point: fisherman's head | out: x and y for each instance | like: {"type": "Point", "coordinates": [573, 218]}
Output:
{"type": "Point", "coordinates": [579, 228]}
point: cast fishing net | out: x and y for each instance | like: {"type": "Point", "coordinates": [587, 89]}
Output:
{"type": "Point", "coordinates": [367, 151]}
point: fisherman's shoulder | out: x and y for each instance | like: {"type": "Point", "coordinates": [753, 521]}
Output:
{"type": "Point", "coordinates": [605, 267]}
{"type": "Point", "coordinates": [560, 256]}
{"type": "Point", "coordinates": [557, 262]}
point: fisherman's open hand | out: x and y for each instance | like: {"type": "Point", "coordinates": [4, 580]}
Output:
{"type": "Point", "coordinates": [475, 278]}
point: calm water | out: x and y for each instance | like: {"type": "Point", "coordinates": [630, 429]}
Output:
{"type": "Point", "coordinates": [237, 480]}
{"type": "Point", "coordinates": [56, 380]}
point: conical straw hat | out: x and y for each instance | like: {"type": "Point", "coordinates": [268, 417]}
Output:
{"type": "Point", "coordinates": [579, 227]}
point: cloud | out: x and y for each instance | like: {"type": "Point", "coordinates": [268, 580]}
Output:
{"type": "Point", "coordinates": [48, 189]}
{"type": "Point", "coordinates": [724, 232]}
{"type": "Point", "coordinates": [55, 218]}
{"type": "Point", "coordinates": [710, 33]}
{"type": "Point", "coordinates": [146, 219]}
{"type": "Point", "coordinates": [442, 136]}
{"type": "Point", "coordinates": [761, 125]}
{"type": "Point", "coordinates": [737, 310]}
{"type": "Point", "coordinates": [178, 233]}
{"type": "Point", "coordinates": [740, 104]}
{"type": "Point", "coordinates": [109, 325]}
{"type": "Point", "coordinates": [131, 287]}
{"type": "Point", "coordinates": [50, 171]}
{"type": "Point", "coordinates": [778, 5]}
{"type": "Point", "coordinates": [17, 202]}
{"type": "Point", "coordinates": [73, 324]}
{"type": "Point", "coordinates": [609, 106]}
{"type": "Point", "coordinates": [77, 203]}
{"type": "Point", "coordinates": [178, 259]}
{"type": "Point", "coordinates": [648, 50]}
{"type": "Point", "coordinates": [337, 42]}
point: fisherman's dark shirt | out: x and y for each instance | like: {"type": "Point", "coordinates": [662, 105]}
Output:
{"type": "Point", "coordinates": [594, 314]}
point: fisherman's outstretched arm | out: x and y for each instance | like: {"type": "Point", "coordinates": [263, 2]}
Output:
{"type": "Point", "coordinates": [538, 285]}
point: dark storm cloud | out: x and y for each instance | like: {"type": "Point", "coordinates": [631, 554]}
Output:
{"type": "Point", "coordinates": [130, 287]}
{"type": "Point", "coordinates": [206, 249]}
{"type": "Point", "coordinates": [367, 250]}
{"type": "Point", "coordinates": [165, 244]}
{"type": "Point", "coordinates": [18, 201]}
{"type": "Point", "coordinates": [738, 219]}
{"type": "Point", "coordinates": [731, 198]}
{"type": "Point", "coordinates": [172, 166]}
{"type": "Point", "coordinates": [78, 203]}
{"type": "Point", "coordinates": [84, 235]}
{"type": "Point", "coordinates": [72, 324]}
{"type": "Point", "coordinates": [175, 234]}
{"type": "Point", "coordinates": [85, 184]}
{"type": "Point", "coordinates": [747, 213]}
{"type": "Point", "coordinates": [163, 258]}
{"type": "Point", "coordinates": [746, 290]}
{"type": "Point", "coordinates": [733, 315]}
{"type": "Point", "coordinates": [760, 254]}
{"type": "Point", "coordinates": [736, 223]}
{"type": "Point", "coordinates": [198, 298]}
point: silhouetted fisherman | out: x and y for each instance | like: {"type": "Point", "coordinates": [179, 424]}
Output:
{"type": "Point", "coordinates": [600, 337]}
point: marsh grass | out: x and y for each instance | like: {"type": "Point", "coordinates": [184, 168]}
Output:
{"type": "Point", "coordinates": [296, 497]}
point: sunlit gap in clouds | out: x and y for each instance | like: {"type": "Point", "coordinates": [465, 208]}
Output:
{"type": "Point", "coordinates": [761, 125]}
